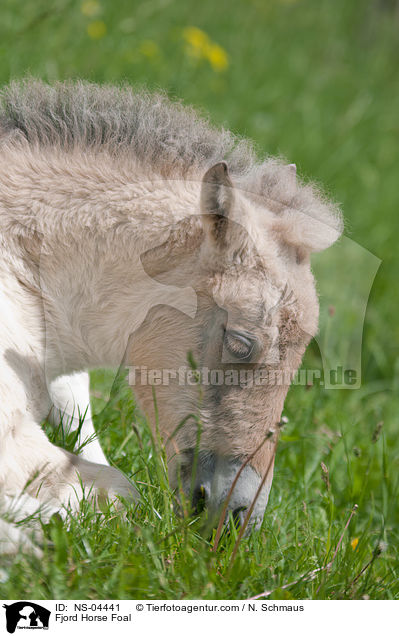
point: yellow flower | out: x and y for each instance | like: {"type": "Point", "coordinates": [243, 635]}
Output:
{"type": "Point", "coordinates": [217, 57]}
{"type": "Point", "coordinates": [90, 8]}
{"type": "Point", "coordinates": [201, 46]}
{"type": "Point", "coordinates": [197, 39]}
{"type": "Point", "coordinates": [354, 543]}
{"type": "Point", "coordinates": [96, 30]}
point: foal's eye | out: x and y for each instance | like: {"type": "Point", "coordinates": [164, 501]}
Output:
{"type": "Point", "coordinates": [238, 345]}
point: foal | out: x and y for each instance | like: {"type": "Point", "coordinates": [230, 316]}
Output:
{"type": "Point", "coordinates": [134, 233]}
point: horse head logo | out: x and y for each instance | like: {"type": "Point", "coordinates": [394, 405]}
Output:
{"type": "Point", "coordinates": [27, 615]}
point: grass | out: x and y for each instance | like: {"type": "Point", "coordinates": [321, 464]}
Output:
{"type": "Point", "coordinates": [316, 81]}
{"type": "Point", "coordinates": [149, 552]}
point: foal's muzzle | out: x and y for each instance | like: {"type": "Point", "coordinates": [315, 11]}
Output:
{"type": "Point", "coordinates": [211, 485]}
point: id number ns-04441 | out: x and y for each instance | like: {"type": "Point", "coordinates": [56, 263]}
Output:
{"type": "Point", "coordinates": [96, 607]}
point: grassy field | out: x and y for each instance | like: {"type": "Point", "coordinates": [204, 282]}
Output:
{"type": "Point", "coordinates": [315, 81]}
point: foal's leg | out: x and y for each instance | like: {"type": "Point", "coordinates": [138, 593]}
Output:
{"type": "Point", "coordinates": [70, 397]}
{"type": "Point", "coordinates": [49, 477]}
{"type": "Point", "coordinates": [30, 463]}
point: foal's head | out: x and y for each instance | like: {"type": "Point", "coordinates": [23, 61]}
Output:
{"type": "Point", "coordinates": [248, 259]}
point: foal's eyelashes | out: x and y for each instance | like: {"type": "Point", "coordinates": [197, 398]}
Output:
{"type": "Point", "coordinates": [238, 344]}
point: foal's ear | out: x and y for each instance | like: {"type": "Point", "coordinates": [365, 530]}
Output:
{"type": "Point", "coordinates": [216, 200]}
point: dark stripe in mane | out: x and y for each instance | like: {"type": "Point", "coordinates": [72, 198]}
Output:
{"type": "Point", "coordinates": [165, 135]}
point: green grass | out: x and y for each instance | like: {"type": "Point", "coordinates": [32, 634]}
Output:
{"type": "Point", "coordinates": [147, 551]}
{"type": "Point", "coordinates": [316, 81]}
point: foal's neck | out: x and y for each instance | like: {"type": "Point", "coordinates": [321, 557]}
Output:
{"type": "Point", "coordinates": [104, 238]}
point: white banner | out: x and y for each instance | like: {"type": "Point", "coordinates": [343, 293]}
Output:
{"type": "Point", "coordinates": [194, 617]}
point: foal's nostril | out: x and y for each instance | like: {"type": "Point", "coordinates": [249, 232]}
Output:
{"type": "Point", "coordinates": [239, 517]}
{"type": "Point", "coordinates": [199, 500]}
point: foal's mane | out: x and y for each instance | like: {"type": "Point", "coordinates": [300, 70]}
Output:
{"type": "Point", "coordinates": [163, 135]}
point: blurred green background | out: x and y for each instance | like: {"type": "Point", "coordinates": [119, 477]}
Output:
{"type": "Point", "coordinates": [316, 81]}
